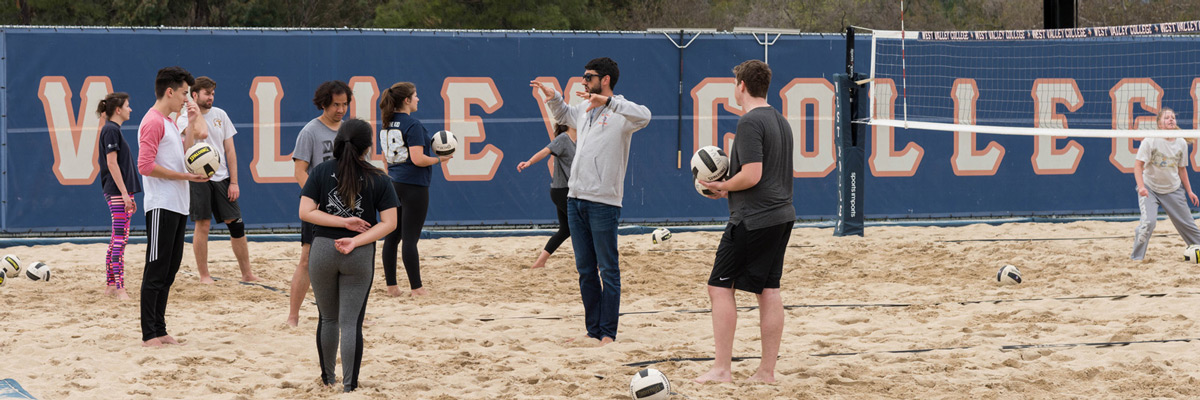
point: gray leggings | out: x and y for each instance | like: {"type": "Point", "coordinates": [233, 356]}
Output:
{"type": "Point", "coordinates": [341, 283]}
{"type": "Point", "coordinates": [1176, 206]}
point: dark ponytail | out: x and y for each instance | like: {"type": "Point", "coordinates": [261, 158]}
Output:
{"type": "Point", "coordinates": [351, 144]}
{"type": "Point", "coordinates": [560, 129]}
{"type": "Point", "coordinates": [393, 98]}
{"type": "Point", "coordinates": [110, 104]}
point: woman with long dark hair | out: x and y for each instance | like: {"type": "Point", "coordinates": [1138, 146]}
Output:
{"type": "Point", "coordinates": [342, 197]}
{"type": "Point", "coordinates": [407, 147]}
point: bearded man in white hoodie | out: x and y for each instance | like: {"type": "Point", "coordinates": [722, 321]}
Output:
{"type": "Point", "coordinates": [605, 124]}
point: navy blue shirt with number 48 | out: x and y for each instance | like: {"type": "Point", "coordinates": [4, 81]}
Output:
{"type": "Point", "coordinates": [401, 134]}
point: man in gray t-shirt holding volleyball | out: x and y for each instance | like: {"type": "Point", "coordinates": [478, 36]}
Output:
{"type": "Point", "coordinates": [761, 215]}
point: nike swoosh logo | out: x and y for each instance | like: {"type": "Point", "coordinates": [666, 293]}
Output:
{"type": "Point", "coordinates": [722, 279]}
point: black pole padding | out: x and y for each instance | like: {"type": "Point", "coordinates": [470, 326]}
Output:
{"type": "Point", "coordinates": [850, 50]}
{"type": "Point", "coordinates": [1059, 14]}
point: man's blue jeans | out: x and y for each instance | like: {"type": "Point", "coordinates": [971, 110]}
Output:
{"type": "Point", "coordinates": [594, 238]}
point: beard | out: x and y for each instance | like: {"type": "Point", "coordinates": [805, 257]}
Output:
{"type": "Point", "coordinates": [205, 105]}
{"type": "Point", "coordinates": [594, 89]}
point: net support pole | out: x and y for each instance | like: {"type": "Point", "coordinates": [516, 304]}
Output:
{"type": "Point", "coordinates": [679, 115]}
{"type": "Point", "coordinates": [4, 158]}
{"type": "Point", "coordinates": [851, 145]}
{"type": "Point", "coordinates": [679, 107]}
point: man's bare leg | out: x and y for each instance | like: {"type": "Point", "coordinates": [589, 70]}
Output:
{"type": "Point", "coordinates": [200, 248]}
{"type": "Point", "coordinates": [300, 284]}
{"type": "Point", "coordinates": [541, 260]}
{"type": "Point", "coordinates": [241, 250]}
{"type": "Point", "coordinates": [724, 320]}
{"type": "Point", "coordinates": [770, 312]}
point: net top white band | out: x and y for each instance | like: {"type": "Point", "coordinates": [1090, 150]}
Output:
{"type": "Point", "coordinates": [1023, 131]}
{"type": "Point", "coordinates": [1166, 28]}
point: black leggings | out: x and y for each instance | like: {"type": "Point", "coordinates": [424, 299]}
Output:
{"type": "Point", "coordinates": [414, 204]}
{"type": "Point", "coordinates": [559, 197]}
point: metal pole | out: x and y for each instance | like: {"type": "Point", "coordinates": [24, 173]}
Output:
{"type": "Point", "coordinates": [679, 113]}
{"type": "Point", "coordinates": [4, 158]}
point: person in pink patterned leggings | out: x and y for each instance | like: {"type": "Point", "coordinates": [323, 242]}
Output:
{"type": "Point", "coordinates": [119, 178]}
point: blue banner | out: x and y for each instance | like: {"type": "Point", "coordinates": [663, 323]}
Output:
{"type": "Point", "coordinates": [476, 84]}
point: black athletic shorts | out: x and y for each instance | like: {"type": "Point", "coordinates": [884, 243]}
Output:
{"type": "Point", "coordinates": [307, 232]}
{"type": "Point", "coordinates": [751, 260]}
{"type": "Point", "coordinates": [210, 200]}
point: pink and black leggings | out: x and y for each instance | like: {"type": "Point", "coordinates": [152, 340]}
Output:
{"type": "Point", "coordinates": [114, 261]}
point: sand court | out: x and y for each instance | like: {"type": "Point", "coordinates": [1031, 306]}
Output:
{"type": "Point", "coordinates": [905, 312]}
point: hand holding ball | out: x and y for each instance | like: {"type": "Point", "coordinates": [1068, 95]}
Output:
{"type": "Point", "coordinates": [444, 143]}
{"type": "Point", "coordinates": [703, 190]}
{"type": "Point", "coordinates": [710, 164]}
{"type": "Point", "coordinates": [202, 159]}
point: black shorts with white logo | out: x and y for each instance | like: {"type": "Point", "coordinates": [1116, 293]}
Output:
{"type": "Point", "coordinates": [210, 200]}
{"type": "Point", "coordinates": [751, 260]}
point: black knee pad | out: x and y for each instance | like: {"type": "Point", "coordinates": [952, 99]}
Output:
{"type": "Point", "coordinates": [237, 229]}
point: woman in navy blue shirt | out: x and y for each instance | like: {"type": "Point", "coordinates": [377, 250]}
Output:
{"type": "Point", "coordinates": [119, 178]}
{"type": "Point", "coordinates": [407, 147]}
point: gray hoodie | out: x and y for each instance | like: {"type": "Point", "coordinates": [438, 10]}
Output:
{"type": "Point", "coordinates": [601, 147]}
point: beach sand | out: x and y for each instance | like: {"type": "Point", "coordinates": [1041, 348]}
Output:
{"type": "Point", "coordinates": [494, 329]}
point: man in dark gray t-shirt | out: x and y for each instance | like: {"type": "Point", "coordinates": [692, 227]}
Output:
{"type": "Point", "coordinates": [761, 215]}
{"type": "Point", "coordinates": [763, 136]}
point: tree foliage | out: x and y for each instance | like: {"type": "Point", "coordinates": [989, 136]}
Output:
{"type": "Point", "coordinates": [804, 15]}
{"type": "Point", "coordinates": [489, 14]}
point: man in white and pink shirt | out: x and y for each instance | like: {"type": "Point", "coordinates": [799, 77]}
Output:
{"type": "Point", "coordinates": [165, 179]}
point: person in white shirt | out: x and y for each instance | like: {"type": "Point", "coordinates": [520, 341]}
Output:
{"type": "Point", "coordinates": [164, 179]}
{"type": "Point", "coordinates": [1160, 170]}
{"type": "Point", "coordinates": [218, 197]}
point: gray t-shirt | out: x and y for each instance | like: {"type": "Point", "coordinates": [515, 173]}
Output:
{"type": "Point", "coordinates": [315, 144]}
{"type": "Point", "coordinates": [763, 135]}
{"type": "Point", "coordinates": [563, 149]}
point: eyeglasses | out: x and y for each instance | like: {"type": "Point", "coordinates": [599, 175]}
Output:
{"type": "Point", "coordinates": [589, 76]}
